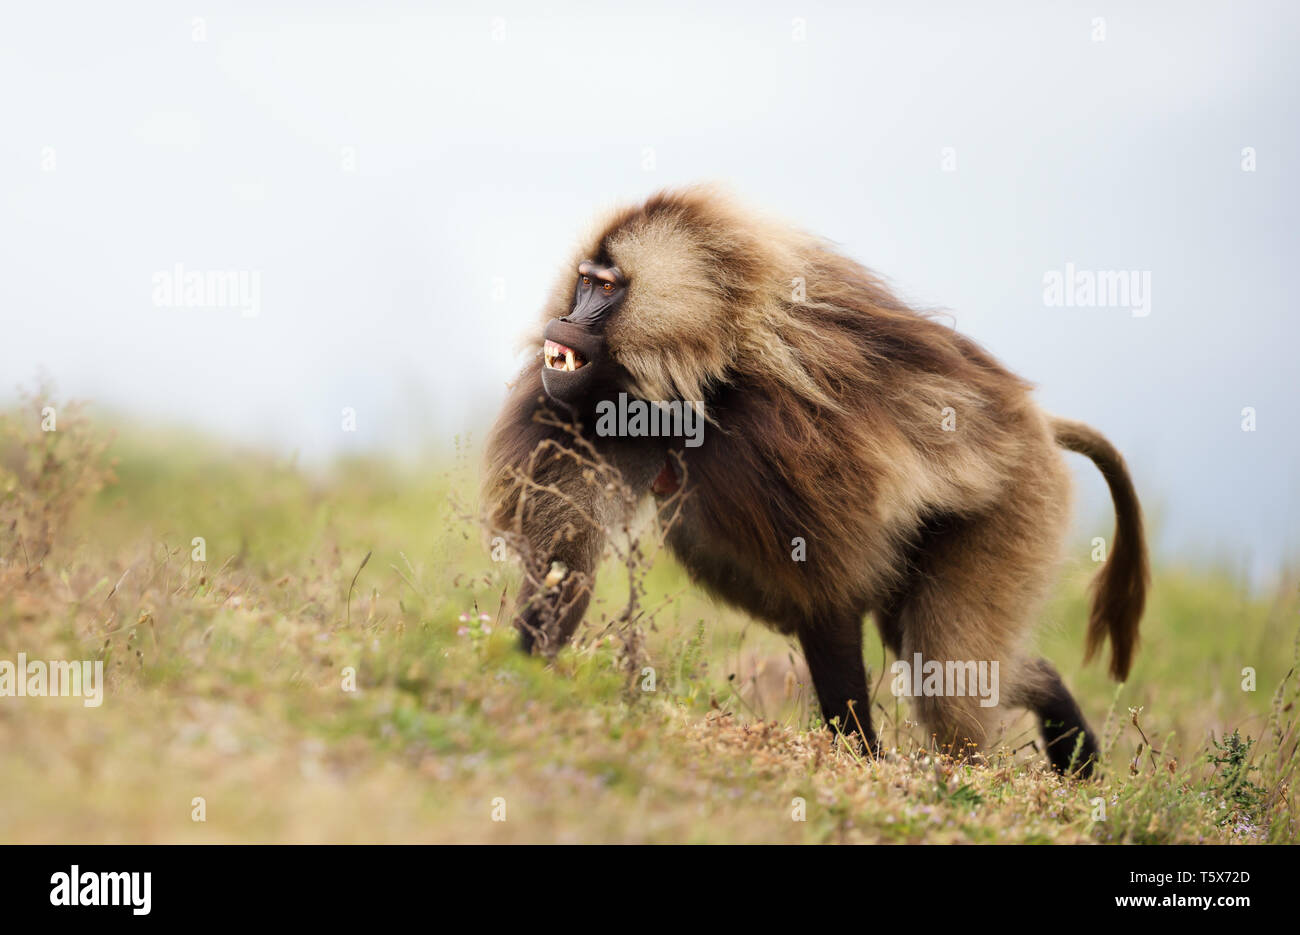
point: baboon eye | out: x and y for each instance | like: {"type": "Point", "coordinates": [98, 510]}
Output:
{"type": "Point", "coordinates": [608, 287]}
{"type": "Point", "coordinates": [586, 281]}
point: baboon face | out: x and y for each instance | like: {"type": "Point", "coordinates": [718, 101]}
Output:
{"type": "Point", "coordinates": [576, 355]}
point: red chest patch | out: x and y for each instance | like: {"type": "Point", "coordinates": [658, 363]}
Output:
{"type": "Point", "coordinates": [666, 483]}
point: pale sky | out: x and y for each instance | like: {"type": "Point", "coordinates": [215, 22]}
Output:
{"type": "Point", "coordinates": [379, 169]}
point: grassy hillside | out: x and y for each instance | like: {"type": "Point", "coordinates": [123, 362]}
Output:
{"type": "Point", "coordinates": [228, 675]}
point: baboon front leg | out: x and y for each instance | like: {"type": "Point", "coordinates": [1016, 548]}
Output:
{"type": "Point", "coordinates": [546, 620]}
{"type": "Point", "coordinates": [832, 647]}
{"type": "Point", "coordinates": [1062, 724]}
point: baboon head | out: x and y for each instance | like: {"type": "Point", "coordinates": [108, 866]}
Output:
{"type": "Point", "coordinates": [576, 357]}
{"type": "Point", "coordinates": [665, 301]}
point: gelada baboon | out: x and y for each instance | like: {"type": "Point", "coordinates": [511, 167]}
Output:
{"type": "Point", "coordinates": [859, 458]}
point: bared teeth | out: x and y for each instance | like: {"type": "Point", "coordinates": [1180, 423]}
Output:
{"type": "Point", "coordinates": [559, 357]}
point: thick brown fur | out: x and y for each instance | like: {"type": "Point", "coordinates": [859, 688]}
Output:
{"type": "Point", "coordinates": [926, 483]}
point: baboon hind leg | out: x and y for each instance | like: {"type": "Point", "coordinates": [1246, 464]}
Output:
{"type": "Point", "coordinates": [1070, 743]}
{"type": "Point", "coordinates": [956, 722]}
{"type": "Point", "coordinates": [972, 598]}
{"type": "Point", "coordinates": [832, 647]}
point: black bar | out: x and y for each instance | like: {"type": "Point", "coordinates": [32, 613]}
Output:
{"type": "Point", "coordinates": [239, 883]}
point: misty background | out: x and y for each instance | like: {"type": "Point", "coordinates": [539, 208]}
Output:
{"type": "Point", "coordinates": [405, 180]}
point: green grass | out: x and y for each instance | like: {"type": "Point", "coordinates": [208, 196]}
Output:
{"type": "Point", "coordinates": [226, 682]}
